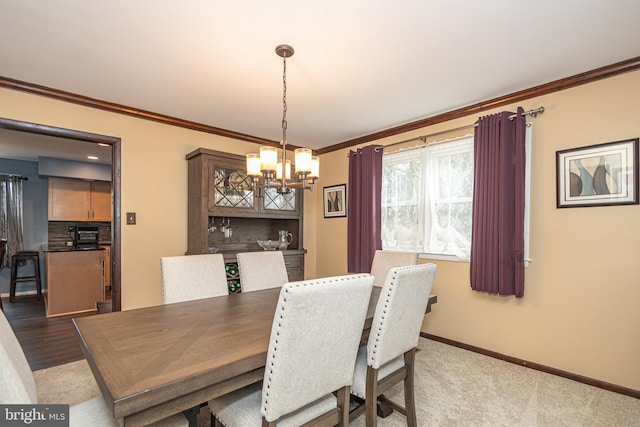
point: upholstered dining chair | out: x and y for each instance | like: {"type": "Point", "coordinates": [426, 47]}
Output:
{"type": "Point", "coordinates": [261, 270]}
{"type": "Point", "coordinates": [389, 355]}
{"type": "Point", "coordinates": [383, 261]}
{"type": "Point", "coordinates": [190, 277]}
{"type": "Point", "coordinates": [18, 386]}
{"type": "Point", "coordinates": [312, 352]}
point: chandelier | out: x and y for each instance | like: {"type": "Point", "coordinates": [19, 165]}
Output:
{"type": "Point", "coordinates": [266, 170]}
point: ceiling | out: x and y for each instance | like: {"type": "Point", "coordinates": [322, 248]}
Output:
{"type": "Point", "coordinates": [30, 146]}
{"type": "Point", "coordinates": [359, 67]}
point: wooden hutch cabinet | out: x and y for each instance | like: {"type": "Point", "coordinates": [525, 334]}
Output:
{"type": "Point", "coordinates": [226, 216]}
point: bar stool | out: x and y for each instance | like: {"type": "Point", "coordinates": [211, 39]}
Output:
{"type": "Point", "coordinates": [22, 257]}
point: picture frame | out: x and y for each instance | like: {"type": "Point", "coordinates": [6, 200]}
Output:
{"type": "Point", "coordinates": [598, 175]}
{"type": "Point", "coordinates": [335, 201]}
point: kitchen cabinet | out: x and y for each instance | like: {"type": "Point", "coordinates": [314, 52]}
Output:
{"type": "Point", "coordinates": [226, 215]}
{"type": "Point", "coordinates": [107, 267]}
{"type": "Point", "coordinates": [100, 201]}
{"type": "Point", "coordinates": [75, 281]}
{"type": "Point", "coordinates": [79, 200]}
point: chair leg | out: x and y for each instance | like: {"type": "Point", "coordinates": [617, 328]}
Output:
{"type": "Point", "coordinates": [36, 269]}
{"type": "Point", "coordinates": [14, 275]}
{"type": "Point", "coordinates": [343, 398]}
{"type": "Point", "coordinates": [371, 397]}
{"type": "Point", "coordinates": [409, 395]}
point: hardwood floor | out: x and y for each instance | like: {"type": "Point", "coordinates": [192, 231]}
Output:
{"type": "Point", "coordinates": [45, 342]}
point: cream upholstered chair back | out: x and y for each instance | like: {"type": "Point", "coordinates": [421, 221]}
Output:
{"type": "Point", "coordinates": [261, 270]}
{"type": "Point", "coordinates": [383, 261]}
{"type": "Point", "coordinates": [17, 385]}
{"type": "Point", "coordinates": [314, 341]}
{"type": "Point", "coordinates": [399, 313]}
{"type": "Point", "coordinates": [190, 277]}
{"type": "Point", "coordinates": [389, 356]}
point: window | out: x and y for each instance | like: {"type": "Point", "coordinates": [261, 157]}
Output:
{"type": "Point", "coordinates": [426, 198]}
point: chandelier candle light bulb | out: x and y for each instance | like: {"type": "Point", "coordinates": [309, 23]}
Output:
{"type": "Point", "coordinates": [303, 160]}
{"type": "Point", "coordinates": [315, 167]}
{"type": "Point", "coordinates": [287, 169]}
{"type": "Point", "coordinates": [262, 167]}
{"type": "Point", "coordinates": [253, 165]}
{"type": "Point", "coordinates": [268, 159]}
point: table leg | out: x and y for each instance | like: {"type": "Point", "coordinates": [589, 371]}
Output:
{"type": "Point", "coordinates": [383, 409]}
{"type": "Point", "coordinates": [192, 415]}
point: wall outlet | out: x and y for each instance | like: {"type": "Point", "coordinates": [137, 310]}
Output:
{"type": "Point", "coordinates": [69, 243]}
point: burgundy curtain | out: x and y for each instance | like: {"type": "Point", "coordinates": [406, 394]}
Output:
{"type": "Point", "coordinates": [497, 234]}
{"type": "Point", "coordinates": [363, 195]}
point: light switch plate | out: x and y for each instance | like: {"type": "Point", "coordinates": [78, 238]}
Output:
{"type": "Point", "coordinates": [131, 218]}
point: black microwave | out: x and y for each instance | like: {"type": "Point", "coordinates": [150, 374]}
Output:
{"type": "Point", "coordinates": [86, 235]}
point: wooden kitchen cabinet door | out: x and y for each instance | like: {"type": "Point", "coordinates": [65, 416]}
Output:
{"type": "Point", "coordinates": [100, 201]}
{"type": "Point", "coordinates": [79, 200]}
{"type": "Point", "coordinates": [69, 199]}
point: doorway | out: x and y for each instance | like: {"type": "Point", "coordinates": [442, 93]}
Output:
{"type": "Point", "coordinates": [115, 143]}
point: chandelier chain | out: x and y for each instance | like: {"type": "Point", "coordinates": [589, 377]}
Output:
{"type": "Point", "coordinates": [284, 96]}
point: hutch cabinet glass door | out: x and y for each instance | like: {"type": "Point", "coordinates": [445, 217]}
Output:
{"type": "Point", "coordinates": [280, 202]}
{"type": "Point", "coordinates": [229, 190]}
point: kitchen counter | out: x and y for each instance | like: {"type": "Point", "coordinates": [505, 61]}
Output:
{"type": "Point", "coordinates": [71, 248]}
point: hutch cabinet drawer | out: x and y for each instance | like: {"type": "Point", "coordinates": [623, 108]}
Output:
{"type": "Point", "coordinates": [294, 260]}
{"type": "Point", "coordinates": [295, 266]}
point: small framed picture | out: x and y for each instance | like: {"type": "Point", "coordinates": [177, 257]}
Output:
{"type": "Point", "coordinates": [335, 201]}
{"type": "Point", "coordinates": [598, 175]}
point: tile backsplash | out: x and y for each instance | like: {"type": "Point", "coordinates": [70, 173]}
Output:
{"type": "Point", "coordinates": [59, 233]}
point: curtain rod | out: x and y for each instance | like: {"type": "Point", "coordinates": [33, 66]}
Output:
{"type": "Point", "coordinates": [533, 112]}
{"type": "Point", "coordinates": [422, 138]}
{"type": "Point", "coordinates": [25, 178]}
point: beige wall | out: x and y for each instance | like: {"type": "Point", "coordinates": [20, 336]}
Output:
{"type": "Point", "coordinates": [154, 182]}
{"type": "Point", "coordinates": [580, 309]}
{"type": "Point", "coordinates": [580, 312]}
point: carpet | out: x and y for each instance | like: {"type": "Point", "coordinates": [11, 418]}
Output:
{"type": "Point", "coordinates": [70, 383]}
{"type": "Point", "coordinates": [454, 387]}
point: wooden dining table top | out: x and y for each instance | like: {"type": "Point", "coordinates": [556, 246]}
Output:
{"type": "Point", "coordinates": [157, 361]}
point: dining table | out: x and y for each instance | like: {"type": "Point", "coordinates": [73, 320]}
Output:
{"type": "Point", "coordinates": [157, 361]}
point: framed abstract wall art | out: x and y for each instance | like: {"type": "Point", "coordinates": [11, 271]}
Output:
{"type": "Point", "coordinates": [598, 175]}
{"type": "Point", "coordinates": [335, 201]}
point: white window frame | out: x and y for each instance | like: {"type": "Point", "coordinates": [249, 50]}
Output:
{"type": "Point", "coordinates": [428, 160]}
{"type": "Point", "coordinates": [423, 203]}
